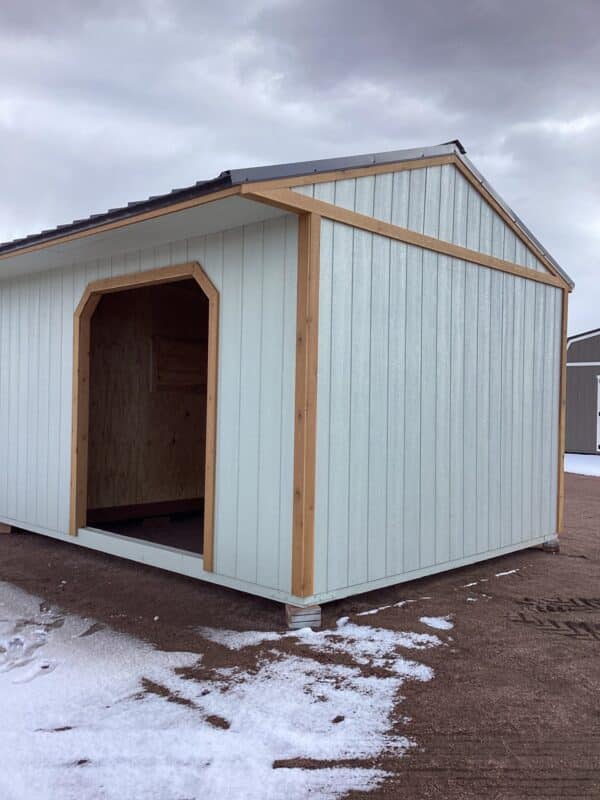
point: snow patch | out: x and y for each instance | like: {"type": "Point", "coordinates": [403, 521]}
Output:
{"type": "Point", "coordinates": [439, 623]}
{"type": "Point", "coordinates": [373, 646]}
{"type": "Point", "coordinates": [364, 644]}
{"type": "Point", "coordinates": [582, 464]}
{"type": "Point", "coordinates": [238, 640]}
{"type": "Point", "coordinates": [383, 608]}
{"type": "Point", "coordinates": [89, 716]}
{"type": "Point", "coordinates": [508, 572]}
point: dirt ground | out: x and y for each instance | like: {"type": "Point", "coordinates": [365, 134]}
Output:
{"type": "Point", "coordinates": [514, 708]}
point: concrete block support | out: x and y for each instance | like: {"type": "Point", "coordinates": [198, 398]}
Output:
{"type": "Point", "coordinates": [551, 545]}
{"type": "Point", "coordinates": [302, 617]}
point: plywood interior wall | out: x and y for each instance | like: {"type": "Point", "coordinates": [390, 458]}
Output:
{"type": "Point", "coordinates": [148, 361]}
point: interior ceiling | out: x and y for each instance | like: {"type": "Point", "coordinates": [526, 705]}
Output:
{"type": "Point", "coordinates": [211, 217]}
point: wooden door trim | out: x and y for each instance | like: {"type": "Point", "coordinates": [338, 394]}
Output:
{"type": "Point", "coordinates": [84, 312]}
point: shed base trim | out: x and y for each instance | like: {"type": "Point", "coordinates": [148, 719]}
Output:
{"type": "Point", "coordinates": [191, 565]}
{"type": "Point", "coordinates": [405, 577]}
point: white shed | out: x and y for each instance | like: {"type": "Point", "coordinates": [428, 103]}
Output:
{"type": "Point", "coordinates": [302, 381]}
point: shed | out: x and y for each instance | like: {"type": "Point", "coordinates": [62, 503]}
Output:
{"type": "Point", "coordinates": [302, 381]}
{"type": "Point", "coordinates": [583, 393]}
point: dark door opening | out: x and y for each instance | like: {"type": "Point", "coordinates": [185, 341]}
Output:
{"type": "Point", "coordinates": [147, 414]}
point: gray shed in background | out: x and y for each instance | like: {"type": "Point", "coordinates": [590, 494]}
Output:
{"type": "Point", "coordinates": [583, 393]}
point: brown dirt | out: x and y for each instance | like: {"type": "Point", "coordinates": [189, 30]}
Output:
{"type": "Point", "coordinates": [514, 709]}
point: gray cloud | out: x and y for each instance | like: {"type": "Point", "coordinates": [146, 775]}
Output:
{"type": "Point", "coordinates": [108, 102]}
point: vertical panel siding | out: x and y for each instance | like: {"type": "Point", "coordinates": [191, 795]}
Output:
{"type": "Point", "coordinates": [469, 410]}
{"type": "Point", "coordinates": [4, 383]}
{"type": "Point", "coordinates": [377, 425]}
{"type": "Point", "coordinates": [457, 394]}
{"type": "Point", "coordinates": [339, 442]}
{"type": "Point", "coordinates": [394, 365]}
{"type": "Point", "coordinates": [427, 398]}
{"type": "Point", "coordinates": [438, 201]}
{"type": "Point", "coordinates": [249, 404]}
{"type": "Point", "coordinates": [439, 381]}
{"type": "Point", "coordinates": [360, 348]}
{"type": "Point", "coordinates": [442, 430]}
{"type": "Point", "coordinates": [412, 409]}
{"type": "Point", "coordinates": [254, 269]}
{"type": "Point", "coordinates": [582, 412]}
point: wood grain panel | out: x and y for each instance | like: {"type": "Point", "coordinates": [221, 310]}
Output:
{"type": "Point", "coordinates": [147, 422]}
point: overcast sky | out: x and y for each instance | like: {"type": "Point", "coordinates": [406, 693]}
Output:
{"type": "Point", "coordinates": [106, 102]}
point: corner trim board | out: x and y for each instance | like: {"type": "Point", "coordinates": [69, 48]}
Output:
{"type": "Point", "coordinates": [305, 427]}
{"type": "Point", "coordinates": [84, 312]}
{"type": "Point", "coordinates": [562, 415]}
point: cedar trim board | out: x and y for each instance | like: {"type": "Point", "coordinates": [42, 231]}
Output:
{"type": "Point", "coordinates": [305, 425]}
{"type": "Point", "coordinates": [122, 223]}
{"type": "Point", "coordinates": [298, 203]}
{"type": "Point", "coordinates": [562, 416]}
{"type": "Point", "coordinates": [81, 374]}
{"type": "Point", "coordinates": [354, 172]}
{"type": "Point", "coordinates": [420, 163]}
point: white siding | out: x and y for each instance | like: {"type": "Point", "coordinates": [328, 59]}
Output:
{"type": "Point", "coordinates": [437, 201]}
{"type": "Point", "coordinates": [437, 410]}
{"type": "Point", "coordinates": [254, 269]}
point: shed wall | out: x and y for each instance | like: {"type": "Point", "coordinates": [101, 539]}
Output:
{"type": "Point", "coordinates": [437, 411]}
{"type": "Point", "coordinates": [437, 201]}
{"type": "Point", "coordinates": [582, 411]}
{"type": "Point", "coordinates": [254, 269]}
{"type": "Point", "coordinates": [584, 349]}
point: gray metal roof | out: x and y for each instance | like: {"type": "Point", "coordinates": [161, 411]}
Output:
{"type": "Point", "coordinates": [583, 334]}
{"type": "Point", "coordinates": [239, 176]}
{"type": "Point", "coordinates": [346, 162]}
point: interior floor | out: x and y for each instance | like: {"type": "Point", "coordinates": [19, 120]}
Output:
{"type": "Point", "coordinates": [183, 531]}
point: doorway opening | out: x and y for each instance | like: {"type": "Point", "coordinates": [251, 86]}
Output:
{"type": "Point", "coordinates": [145, 409]}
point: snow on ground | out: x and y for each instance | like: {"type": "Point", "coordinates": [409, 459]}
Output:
{"type": "Point", "coordinates": [582, 464]}
{"type": "Point", "coordinates": [376, 647]}
{"type": "Point", "coordinates": [372, 611]}
{"type": "Point", "coordinates": [90, 713]}
{"type": "Point", "coordinates": [439, 623]}
{"type": "Point", "coordinates": [508, 572]}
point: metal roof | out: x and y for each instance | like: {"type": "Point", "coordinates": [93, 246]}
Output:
{"type": "Point", "coordinates": [583, 335]}
{"type": "Point", "coordinates": [237, 177]}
